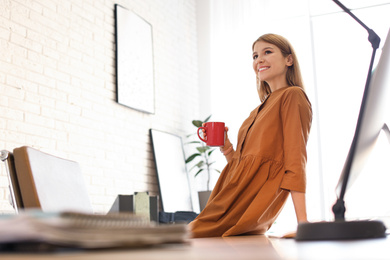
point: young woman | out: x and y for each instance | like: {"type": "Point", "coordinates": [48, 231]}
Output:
{"type": "Point", "coordinates": [270, 157]}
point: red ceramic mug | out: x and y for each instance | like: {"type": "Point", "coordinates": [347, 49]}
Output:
{"type": "Point", "coordinates": [215, 133]}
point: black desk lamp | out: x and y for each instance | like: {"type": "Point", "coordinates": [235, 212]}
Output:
{"type": "Point", "coordinates": [340, 228]}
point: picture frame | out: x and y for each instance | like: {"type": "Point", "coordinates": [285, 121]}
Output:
{"type": "Point", "coordinates": [134, 61]}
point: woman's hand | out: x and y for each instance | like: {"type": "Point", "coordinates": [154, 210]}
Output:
{"type": "Point", "coordinates": [227, 150]}
{"type": "Point", "coordinates": [299, 201]}
{"type": "Point", "coordinates": [227, 143]}
{"type": "Point", "coordinates": [204, 131]}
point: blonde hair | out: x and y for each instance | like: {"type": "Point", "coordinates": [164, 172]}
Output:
{"type": "Point", "coordinates": [293, 75]}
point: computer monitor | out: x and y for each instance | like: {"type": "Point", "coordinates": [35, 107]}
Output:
{"type": "Point", "coordinates": [371, 122]}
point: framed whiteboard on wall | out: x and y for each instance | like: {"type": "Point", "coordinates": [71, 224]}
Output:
{"type": "Point", "coordinates": [134, 61]}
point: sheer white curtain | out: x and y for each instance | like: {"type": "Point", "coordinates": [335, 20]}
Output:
{"type": "Point", "coordinates": [333, 52]}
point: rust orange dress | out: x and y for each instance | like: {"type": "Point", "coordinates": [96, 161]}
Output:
{"type": "Point", "coordinates": [269, 161]}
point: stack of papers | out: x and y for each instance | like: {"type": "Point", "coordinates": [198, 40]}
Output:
{"type": "Point", "coordinates": [88, 231]}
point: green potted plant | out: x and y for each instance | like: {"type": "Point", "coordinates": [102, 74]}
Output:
{"type": "Point", "coordinates": [203, 162]}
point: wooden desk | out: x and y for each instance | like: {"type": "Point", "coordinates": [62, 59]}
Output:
{"type": "Point", "coordinates": [237, 248]}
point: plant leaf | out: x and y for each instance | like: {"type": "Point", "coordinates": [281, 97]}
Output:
{"type": "Point", "coordinates": [211, 163]}
{"type": "Point", "coordinates": [196, 174]}
{"type": "Point", "coordinates": [199, 165]}
{"type": "Point", "coordinates": [192, 157]}
{"type": "Point", "coordinates": [202, 149]}
{"type": "Point", "coordinates": [211, 152]}
{"type": "Point", "coordinates": [190, 170]}
{"type": "Point", "coordinates": [207, 119]}
{"type": "Point", "coordinates": [197, 123]}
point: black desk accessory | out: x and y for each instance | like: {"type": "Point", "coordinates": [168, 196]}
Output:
{"type": "Point", "coordinates": [340, 228]}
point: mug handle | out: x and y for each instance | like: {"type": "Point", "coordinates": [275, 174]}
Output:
{"type": "Point", "coordinates": [200, 136]}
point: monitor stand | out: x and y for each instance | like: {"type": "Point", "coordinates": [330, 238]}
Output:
{"type": "Point", "coordinates": [341, 230]}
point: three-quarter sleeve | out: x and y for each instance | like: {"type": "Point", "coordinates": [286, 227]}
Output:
{"type": "Point", "coordinates": [296, 116]}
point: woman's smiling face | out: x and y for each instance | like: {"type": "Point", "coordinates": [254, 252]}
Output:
{"type": "Point", "coordinates": [270, 65]}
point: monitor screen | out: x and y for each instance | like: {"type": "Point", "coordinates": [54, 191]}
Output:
{"type": "Point", "coordinates": [371, 119]}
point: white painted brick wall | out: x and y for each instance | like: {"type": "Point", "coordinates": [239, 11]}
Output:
{"type": "Point", "coordinates": [57, 88]}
